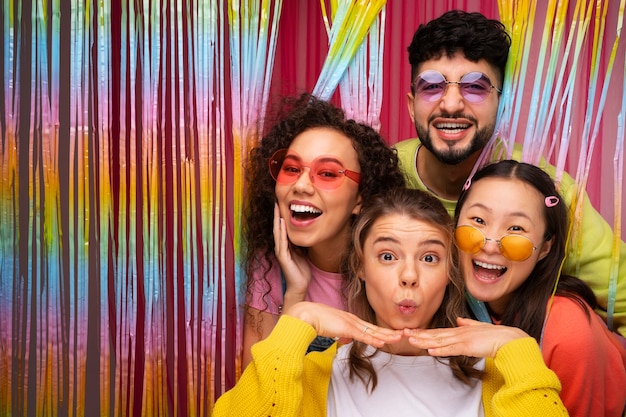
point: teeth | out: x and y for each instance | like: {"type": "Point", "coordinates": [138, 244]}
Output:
{"type": "Point", "coordinates": [489, 266]}
{"type": "Point", "coordinates": [453, 130]}
{"type": "Point", "coordinates": [452, 126]}
{"type": "Point", "coordinates": [299, 208]}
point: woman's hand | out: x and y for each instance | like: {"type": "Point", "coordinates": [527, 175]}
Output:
{"type": "Point", "coordinates": [294, 265]}
{"type": "Point", "coordinates": [341, 325]}
{"type": "Point", "coordinates": [471, 338]}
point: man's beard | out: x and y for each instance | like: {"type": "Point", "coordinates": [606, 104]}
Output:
{"type": "Point", "coordinates": [453, 156]}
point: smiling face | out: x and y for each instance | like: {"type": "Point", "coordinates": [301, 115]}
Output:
{"type": "Point", "coordinates": [316, 217]}
{"type": "Point", "coordinates": [453, 128]}
{"type": "Point", "coordinates": [499, 207]}
{"type": "Point", "coordinates": [405, 270]}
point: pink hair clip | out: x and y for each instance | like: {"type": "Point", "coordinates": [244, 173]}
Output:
{"type": "Point", "coordinates": [551, 201]}
{"type": "Point", "coordinates": [467, 184]}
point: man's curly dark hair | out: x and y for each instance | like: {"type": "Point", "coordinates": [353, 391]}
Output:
{"type": "Point", "coordinates": [378, 162]}
{"type": "Point", "coordinates": [473, 34]}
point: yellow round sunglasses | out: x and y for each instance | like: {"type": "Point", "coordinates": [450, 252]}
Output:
{"type": "Point", "coordinates": [515, 248]}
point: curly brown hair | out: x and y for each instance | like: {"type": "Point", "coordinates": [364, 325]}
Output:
{"type": "Point", "coordinates": [378, 162]}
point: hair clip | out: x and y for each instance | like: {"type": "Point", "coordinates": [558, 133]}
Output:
{"type": "Point", "coordinates": [467, 184]}
{"type": "Point", "coordinates": [551, 201]}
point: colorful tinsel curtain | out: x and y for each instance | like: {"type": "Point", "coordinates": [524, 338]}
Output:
{"type": "Point", "coordinates": [124, 132]}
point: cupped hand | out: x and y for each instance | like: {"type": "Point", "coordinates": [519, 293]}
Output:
{"type": "Point", "coordinates": [342, 325]}
{"type": "Point", "coordinates": [471, 338]}
{"type": "Point", "coordinates": [294, 265]}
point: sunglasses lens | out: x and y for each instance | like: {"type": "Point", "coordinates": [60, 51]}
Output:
{"type": "Point", "coordinates": [475, 86]}
{"type": "Point", "coordinates": [516, 248]}
{"type": "Point", "coordinates": [276, 163]}
{"type": "Point", "coordinates": [325, 174]}
{"type": "Point", "coordinates": [430, 85]}
{"type": "Point", "coordinates": [469, 239]}
{"type": "Point", "coordinates": [513, 247]}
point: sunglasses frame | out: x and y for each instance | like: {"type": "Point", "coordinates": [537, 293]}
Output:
{"type": "Point", "coordinates": [460, 83]}
{"type": "Point", "coordinates": [501, 246]}
{"type": "Point", "coordinates": [346, 173]}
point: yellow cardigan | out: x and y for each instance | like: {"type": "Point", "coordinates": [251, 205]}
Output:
{"type": "Point", "coordinates": [281, 381]}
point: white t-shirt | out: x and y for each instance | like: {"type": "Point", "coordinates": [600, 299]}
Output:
{"type": "Point", "coordinates": [407, 386]}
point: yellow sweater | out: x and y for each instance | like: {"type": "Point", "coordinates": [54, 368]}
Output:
{"type": "Point", "coordinates": [281, 381]}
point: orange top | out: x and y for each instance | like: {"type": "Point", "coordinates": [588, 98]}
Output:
{"type": "Point", "coordinates": [589, 360]}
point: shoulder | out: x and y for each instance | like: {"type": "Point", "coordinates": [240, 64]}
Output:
{"type": "Point", "coordinates": [567, 184]}
{"type": "Point", "coordinates": [565, 314]}
{"type": "Point", "coordinates": [265, 289]}
{"type": "Point", "coordinates": [407, 153]}
{"type": "Point", "coordinates": [573, 329]}
{"type": "Point", "coordinates": [265, 271]}
{"type": "Point", "coordinates": [408, 146]}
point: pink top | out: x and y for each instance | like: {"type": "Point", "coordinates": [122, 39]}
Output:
{"type": "Point", "coordinates": [589, 360]}
{"type": "Point", "coordinates": [325, 288]}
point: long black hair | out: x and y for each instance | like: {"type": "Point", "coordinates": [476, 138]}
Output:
{"type": "Point", "coordinates": [527, 308]}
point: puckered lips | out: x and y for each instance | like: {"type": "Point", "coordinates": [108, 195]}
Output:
{"type": "Point", "coordinates": [407, 306]}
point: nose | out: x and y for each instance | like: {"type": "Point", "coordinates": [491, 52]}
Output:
{"type": "Point", "coordinates": [409, 277]}
{"type": "Point", "coordinates": [304, 184]}
{"type": "Point", "coordinates": [452, 100]}
{"type": "Point", "coordinates": [491, 246]}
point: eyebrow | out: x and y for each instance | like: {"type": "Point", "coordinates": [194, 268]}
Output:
{"type": "Point", "coordinates": [423, 243]}
{"type": "Point", "coordinates": [319, 158]}
{"type": "Point", "coordinates": [292, 156]}
{"type": "Point", "coordinates": [328, 159]}
{"type": "Point", "coordinates": [386, 239]}
{"type": "Point", "coordinates": [510, 214]}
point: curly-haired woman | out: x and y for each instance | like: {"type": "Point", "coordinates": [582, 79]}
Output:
{"type": "Point", "coordinates": [306, 181]}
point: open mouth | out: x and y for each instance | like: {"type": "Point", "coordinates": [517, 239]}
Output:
{"type": "Point", "coordinates": [488, 271]}
{"type": "Point", "coordinates": [452, 128]}
{"type": "Point", "coordinates": [304, 212]}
